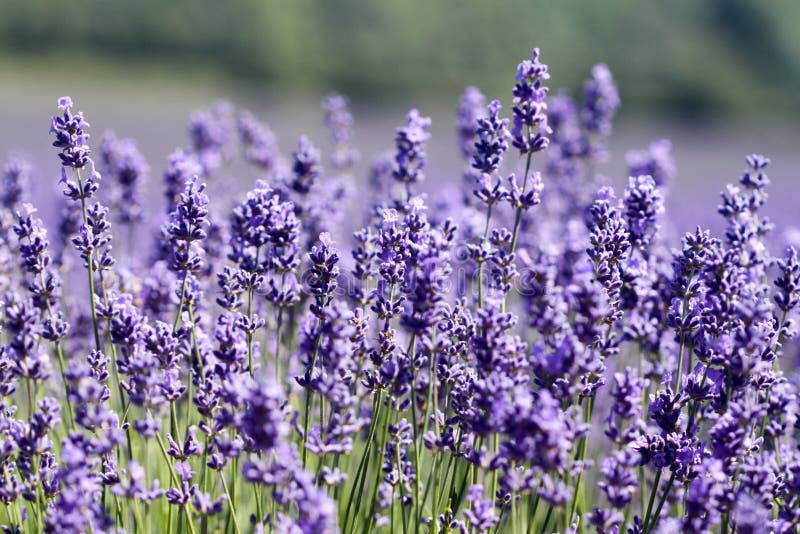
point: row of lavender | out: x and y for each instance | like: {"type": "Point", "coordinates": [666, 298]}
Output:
{"type": "Point", "coordinates": [478, 365]}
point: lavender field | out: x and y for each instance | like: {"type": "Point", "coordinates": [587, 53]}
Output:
{"type": "Point", "coordinates": [313, 315]}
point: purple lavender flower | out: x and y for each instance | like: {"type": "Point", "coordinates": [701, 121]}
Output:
{"type": "Point", "coordinates": [89, 394]}
{"type": "Point", "coordinates": [263, 421]}
{"type": "Point", "coordinates": [181, 168]}
{"type": "Point", "coordinates": [45, 283]}
{"type": "Point", "coordinates": [133, 487]}
{"type": "Point", "coordinates": [339, 121]}
{"type": "Point", "coordinates": [209, 132]}
{"type": "Point", "coordinates": [70, 135]}
{"type": "Point", "coordinates": [481, 515]}
{"type": "Point", "coordinates": [71, 139]}
{"type": "Point", "coordinates": [600, 101]}
{"type": "Point", "coordinates": [606, 521]}
{"type": "Point", "coordinates": [471, 109]}
{"type": "Point", "coordinates": [77, 507]}
{"type": "Point", "coordinates": [491, 140]}
{"type": "Point", "coordinates": [187, 228]}
{"type": "Point", "coordinates": [122, 161]}
{"type": "Point", "coordinates": [655, 161]}
{"type": "Point", "coordinates": [610, 242]}
{"type": "Point", "coordinates": [467, 416]}
{"type": "Point", "coordinates": [627, 395]}
{"type": "Point", "coordinates": [531, 130]}
{"type": "Point", "coordinates": [620, 481]}
{"type": "Point", "coordinates": [181, 496]}
{"type": "Point", "coordinates": [643, 204]}
{"type": "Point", "coordinates": [306, 168]}
{"type": "Point", "coordinates": [539, 430]}
{"type": "Point", "coordinates": [259, 144]}
{"type": "Point", "coordinates": [14, 183]}
{"type": "Point", "coordinates": [397, 463]}
{"type": "Point", "coordinates": [409, 160]}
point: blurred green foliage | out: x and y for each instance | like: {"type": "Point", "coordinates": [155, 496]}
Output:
{"type": "Point", "coordinates": [697, 57]}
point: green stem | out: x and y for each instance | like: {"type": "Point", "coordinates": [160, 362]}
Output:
{"type": "Point", "coordinates": [177, 321]}
{"type": "Point", "coordinates": [580, 456]}
{"type": "Point", "coordinates": [400, 485]}
{"type": "Point", "coordinates": [656, 482]}
{"type": "Point", "coordinates": [411, 350]}
{"type": "Point", "coordinates": [547, 518]}
{"type": "Point", "coordinates": [518, 216]}
{"type": "Point", "coordinates": [361, 473]}
{"type": "Point", "coordinates": [175, 481]}
{"type": "Point", "coordinates": [306, 414]}
{"type": "Point", "coordinates": [89, 265]}
{"type": "Point", "coordinates": [480, 265]}
{"type": "Point", "coordinates": [382, 447]}
{"type": "Point", "coordinates": [60, 354]}
{"type": "Point", "coordinates": [278, 347]}
{"type": "Point", "coordinates": [532, 512]}
{"type": "Point", "coordinates": [230, 502]}
{"type": "Point", "coordinates": [654, 520]}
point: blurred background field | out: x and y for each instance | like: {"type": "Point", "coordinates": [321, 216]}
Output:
{"type": "Point", "coordinates": [720, 78]}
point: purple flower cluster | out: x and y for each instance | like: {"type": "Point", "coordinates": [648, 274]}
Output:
{"type": "Point", "coordinates": [122, 161]}
{"type": "Point", "coordinates": [460, 363]}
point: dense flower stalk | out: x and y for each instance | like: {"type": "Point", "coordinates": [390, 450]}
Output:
{"type": "Point", "coordinates": [272, 370]}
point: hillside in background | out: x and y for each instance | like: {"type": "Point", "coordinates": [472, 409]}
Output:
{"type": "Point", "coordinates": [682, 56]}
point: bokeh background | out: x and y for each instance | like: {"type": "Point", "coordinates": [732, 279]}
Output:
{"type": "Point", "coordinates": [720, 78]}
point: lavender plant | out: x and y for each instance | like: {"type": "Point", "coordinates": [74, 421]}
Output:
{"type": "Point", "coordinates": [475, 366]}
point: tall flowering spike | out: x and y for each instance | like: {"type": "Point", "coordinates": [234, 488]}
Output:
{"type": "Point", "coordinates": [327, 334]}
{"type": "Point", "coordinates": [259, 144]}
{"type": "Point", "coordinates": [539, 430]}
{"type": "Point", "coordinates": [562, 117]}
{"type": "Point", "coordinates": [620, 481]}
{"type": "Point", "coordinates": [471, 109]}
{"type": "Point", "coordinates": [409, 159]}
{"type": "Point", "coordinates": [181, 167]}
{"type": "Point", "coordinates": [380, 172]}
{"type": "Point", "coordinates": [712, 335]}
{"type": "Point", "coordinates": [481, 514]}
{"type": "Point", "coordinates": [626, 410]}
{"type": "Point", "coordinates": [94, 238]}
{"type": "Point", "coordinates": [600, 101]}
{"type": "Point", "coordinates": [610, 243]}
{"type": "Point", "coordinates": [187, 227]}
{"type": "Point", "coordinates": [209, 132]}
{"type": "Point", "coordinates": [491, 140]}
{"type": "Point", "coordinates": [263, 420]}
{"type": "Point", "coordinates": [531, 130]}
{"type": "Point", "coordinates": [365, 264]}
{"type": "Point", "coordinates": [339, 121]}
{"type": "Point", "coordinates": [232, 344]}
{"type": "Point", "coordinates": [264, 222]}
{"type": "Point", "coordinates": [72, 139]}
{"type": "Point", "coordinates": [77, 507]}
{"type": "Point", "coordinates": [21, 328]}
{"type": "Point", "coordinates": [44, 281]}
{"type": "Point", "coordinates": [788, 283]}
{"type": "Point", "coordinates": [429, 273]}
{"type": "Point", "coordinates": [123, 162]}
{"type": "Point", "coordinates": [643, 204]}
{"type": "Point", "coordinates": [746, 227]}
{"type": "Point", "coordinates": [14, 183]}
{"type": "Point", "coordinates": [655, 161]}
{"type": "Point", "coordinates": [754, 178]}
{"type": "Point", "coordinates": [397, 463]}
{"type": "Point", "coordinates": [89, 394]}
{"type": "Point", "coordinates": [323, 274]}
{"type": "Point", "coordinates": [306, 167]}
